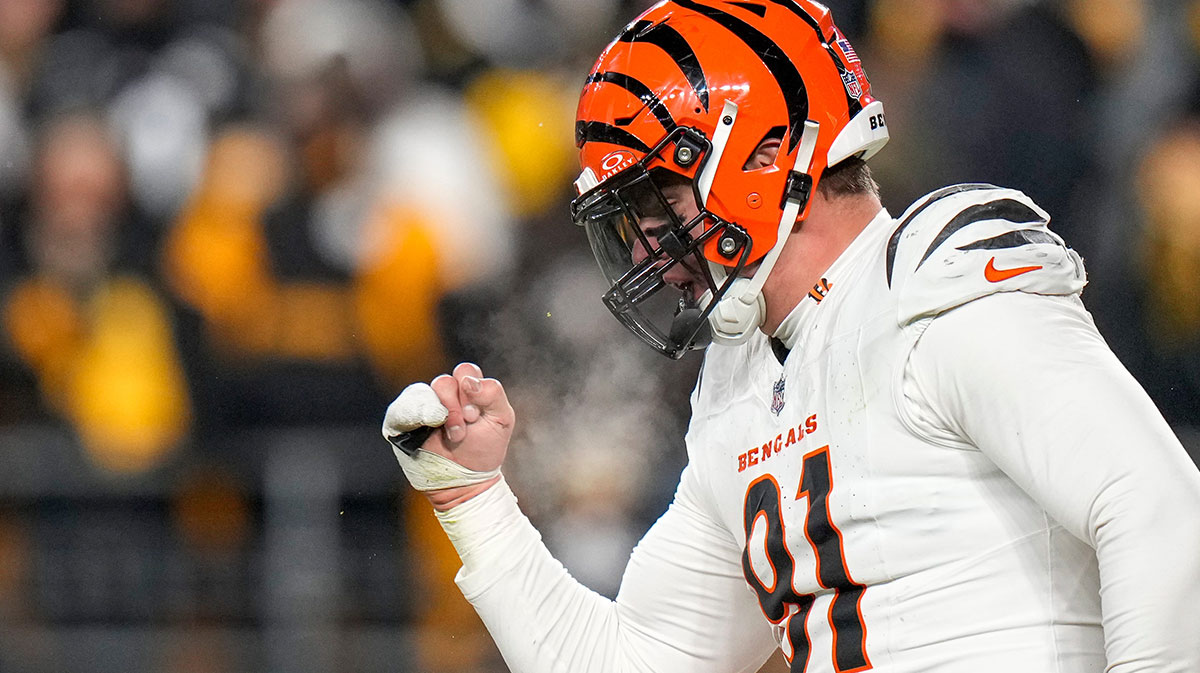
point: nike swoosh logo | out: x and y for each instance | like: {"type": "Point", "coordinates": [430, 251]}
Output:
{"type": "Point", "coordinates": [995, 275]}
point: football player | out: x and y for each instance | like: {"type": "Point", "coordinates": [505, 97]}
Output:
{"type": "Point", "coordinates": [909, 451]}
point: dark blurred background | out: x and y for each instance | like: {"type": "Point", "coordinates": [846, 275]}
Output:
{"type": "Point", "coordinates": [232, 230]}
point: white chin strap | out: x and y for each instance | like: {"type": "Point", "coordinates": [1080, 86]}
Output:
{"type": "Point", "coordinates": [743, 309]}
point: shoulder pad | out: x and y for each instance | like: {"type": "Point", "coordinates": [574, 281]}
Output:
{"type": "Point", "coordinates": [968, 241]}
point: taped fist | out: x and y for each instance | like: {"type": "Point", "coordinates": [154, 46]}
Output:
{"type": "Point", "coordinates": [451, 435]}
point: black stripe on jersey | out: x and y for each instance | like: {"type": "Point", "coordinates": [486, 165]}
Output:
{"type": "Point", "coordinates": [760, 10]}
{"type": "Point", "coordinates": [762, 497]}
{"type": "Point", "coordinates": [844, 616]}
{"type": "Point", "coordinates": [1001, 209]}
{"type": "Point", "coordinates": [790, 83]}
{"type": "Point", "coordinates": [669, 40]}
{"type": "Point", "coordinates": [1011, 239]}
{"type": "Point", "coordinates": [643, 92]}
{"type": "Point", "coordinates": [851, 101]}
{"type": "Point", "coordinates": [894, 241]}
{"type": "Point", "coordinates": [605, 133]}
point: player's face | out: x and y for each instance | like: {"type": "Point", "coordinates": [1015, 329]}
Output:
{"type": "Point", "coordinates": [681, 199]}
{"type": "Point", "coordinates": [648, 230]}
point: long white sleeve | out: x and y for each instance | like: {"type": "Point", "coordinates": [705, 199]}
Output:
{"type": "Point", "coordinates": [683, 606]}
{"type": "Point", "coordinates": [1029, 381]}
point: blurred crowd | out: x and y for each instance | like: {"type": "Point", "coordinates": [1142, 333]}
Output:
{"type": "Point", "coordinates": [221, 217]}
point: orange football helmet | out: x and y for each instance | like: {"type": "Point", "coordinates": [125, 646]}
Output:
{"type": "Point", "coordinates": [690, 89]}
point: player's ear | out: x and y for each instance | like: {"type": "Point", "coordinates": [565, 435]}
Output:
{"type": "Point", "coordinates": [764, 154]}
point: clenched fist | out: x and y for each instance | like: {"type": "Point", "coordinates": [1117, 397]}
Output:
{"type": "Point", "coordinates": [468, 422]}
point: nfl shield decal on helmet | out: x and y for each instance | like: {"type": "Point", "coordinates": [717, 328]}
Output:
{"type": "Point", "coordinates": [777, 397]}
{"type": "Point", "coordinates": [851, 81]}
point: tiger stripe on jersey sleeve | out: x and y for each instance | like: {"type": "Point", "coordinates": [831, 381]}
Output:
{"type": "Point", "coordinates": [968, 241]}
{"type": "Point", "coordinates": [914, 211]}
{"type": "Point", "coordinates": [1007, 210]}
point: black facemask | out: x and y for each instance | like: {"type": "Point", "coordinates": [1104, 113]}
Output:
{"type": "Point", "coordinates": [654, 260]}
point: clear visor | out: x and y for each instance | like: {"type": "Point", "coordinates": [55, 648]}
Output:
{"type": "Point", "coordinates": [653, 260]}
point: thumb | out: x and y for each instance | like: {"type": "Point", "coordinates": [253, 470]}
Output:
{"type": "Point", "coordinates": [417, 406]}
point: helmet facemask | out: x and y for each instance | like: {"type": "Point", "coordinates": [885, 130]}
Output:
{"type": "Point", "coordinates": [663, 288]}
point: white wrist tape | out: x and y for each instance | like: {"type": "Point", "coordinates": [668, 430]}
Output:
{"type": "Point", "coordinates": [480, 526]}
{"type": "Point", "coordinates": [431, 472]}
{"type": "Point", "coordinates": [418, 406]}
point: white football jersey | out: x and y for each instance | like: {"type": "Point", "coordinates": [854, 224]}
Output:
{"type": "Point", "coordinates": [937, 466]}
{"type": "Point", "coordinates": [870, 543]}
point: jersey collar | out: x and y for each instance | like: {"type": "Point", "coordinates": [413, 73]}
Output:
{"type": "Point", "coordinates": [789, 329]}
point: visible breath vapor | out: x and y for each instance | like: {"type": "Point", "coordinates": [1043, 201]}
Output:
{"type": "Point", "coordinates": [599, 416]}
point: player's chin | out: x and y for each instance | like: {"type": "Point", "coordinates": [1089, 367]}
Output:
{"type": "Point", "coordinates": [688, 287]}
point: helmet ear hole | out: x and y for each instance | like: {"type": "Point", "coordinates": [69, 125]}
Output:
{"type": "Point", "coordinates": [766, 150]}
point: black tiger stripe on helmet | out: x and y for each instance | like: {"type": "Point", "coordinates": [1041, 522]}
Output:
{"type": "Point", "coordinates": [676, 46]}
{"type": "Point", "coordinates": [643, 92]}
{"type": "Point", "coordinates": [586, 132]}
{"type": "Point", "coordinates": [776, 60]}
{"type": "Point", "coordinates": [851, 102]}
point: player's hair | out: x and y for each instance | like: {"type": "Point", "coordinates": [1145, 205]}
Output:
{"type": "Point", "coordinates": [849, 178]}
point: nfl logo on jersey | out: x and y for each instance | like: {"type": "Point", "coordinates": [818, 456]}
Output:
{"type": "Point", "coordinates": [777, 397]}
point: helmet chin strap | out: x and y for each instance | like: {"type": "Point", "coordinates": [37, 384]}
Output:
{"type": "Point", "coordinates": [743, 308]}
